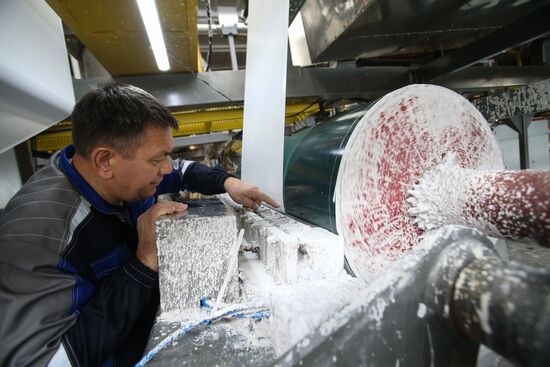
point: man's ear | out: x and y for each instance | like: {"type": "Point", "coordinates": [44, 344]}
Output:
{"type": "Point", "coordinates": [101, 158]}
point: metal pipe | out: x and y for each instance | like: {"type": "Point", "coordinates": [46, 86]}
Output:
{"type": "Point", "coordinates": [232, 52]}
{"type": "Point", "coordinates": [515, 204]}
{"type": "Point", "coordinates": [217, 29]}
{"type": "Point", "coordinates": [444, 298]}
{"type": "Point", "coordinates": [510, 204]}
{"type": "Point", "coordinates": [506, 308]}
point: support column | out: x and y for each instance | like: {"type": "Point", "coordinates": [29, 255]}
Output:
{"type": "Point", "coordinates": [520, 124]}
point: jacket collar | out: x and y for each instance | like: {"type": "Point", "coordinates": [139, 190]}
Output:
{"type": "Point", "coordinates": [81, 185]}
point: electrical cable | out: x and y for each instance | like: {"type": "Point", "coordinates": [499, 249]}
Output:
{"type": "Point", "coordinates": [209, 18]}
{"type": "Point", "coordinates": [302, 111]}
{"type": "Point", "coordinates": [243, 310]}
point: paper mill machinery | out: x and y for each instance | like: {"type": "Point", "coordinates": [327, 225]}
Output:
{"type": "Point", "coordinates": [390, 251]}
{"type": "Point", "coordinates": [415, 187]}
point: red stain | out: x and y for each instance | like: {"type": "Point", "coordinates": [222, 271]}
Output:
{"type": "Point", "coordinates": [397, 150]}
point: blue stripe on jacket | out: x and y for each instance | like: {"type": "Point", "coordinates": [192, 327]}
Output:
{"type": "Point", "coordinates": [82, 290]}
{"type": "Point", "coordinates": [112, 261]}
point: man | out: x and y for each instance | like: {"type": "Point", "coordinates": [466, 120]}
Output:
{"type": "Point", "coordinates": [78, 257]}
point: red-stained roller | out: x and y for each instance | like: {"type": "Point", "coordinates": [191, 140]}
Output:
{"type": "Point", "coordinates": [405, 134]}
{"type": "Point", "coordinates": [511, 204]}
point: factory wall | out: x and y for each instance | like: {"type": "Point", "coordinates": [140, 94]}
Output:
{"type": "Point", "coordinates": [539, 157]}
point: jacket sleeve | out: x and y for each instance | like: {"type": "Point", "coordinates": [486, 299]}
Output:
{"type": "Point", "coordinates": [115, 321]}
{"type": "Point", "coordinates": [195, 177]}
{"type": "Point", "coordinates": [43, 304]}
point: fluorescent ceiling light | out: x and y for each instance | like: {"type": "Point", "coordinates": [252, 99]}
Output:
{"type": "Point", "coordinates": [149, 14]}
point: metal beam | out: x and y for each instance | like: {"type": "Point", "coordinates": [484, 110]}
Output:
{"type": "Point", "coordinates": [190, 123]}
{"type": "Point", "coordinates": [524, 30]}
{"type": "Point", "coordinates": [183, 141]}
{"type": "Point", "coordinates": [202, 28]}
{"type": "Point", "coordinates": [181, 89]}
{"type": "Point", "coordinates": [481, 79]}
{"type": "Point", "coordinates": [521, 125]}
{"type": "Point", "coordinates": [343, 30]}
{"type": "Point", "coordinates": [533, 98]}
{"type": "Point", "coordinates": [222, 88]}
{"type": "Point", "coordinates": [294, 6]}
{"type": "Point", "coordinates": [23, 155]}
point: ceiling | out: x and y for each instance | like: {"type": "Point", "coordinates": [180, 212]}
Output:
{"type": "Point", "coordinates": [113, 32]}
{"type": "Point", "coordinates": [477, 45]}
{"type": "Point", "coordinates": [361, 49]}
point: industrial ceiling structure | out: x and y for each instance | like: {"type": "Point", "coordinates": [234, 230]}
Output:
{"type": "Point", "coordinates": [359, 50]}
{"type": "Point", "coordinates": [371, 33]}
{"type": "Point", "coordinates": [113, 32]}
{"type": "Point", "coordinates": [430, 38]}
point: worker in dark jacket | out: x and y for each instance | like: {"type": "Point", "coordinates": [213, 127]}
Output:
{"type": "Point", "coordinates": [78, 257]}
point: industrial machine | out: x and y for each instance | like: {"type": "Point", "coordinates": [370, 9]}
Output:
{"type": "Point", "coordinates": [390, 251]}
{"type": "Point", "coordinates": [413, 184]}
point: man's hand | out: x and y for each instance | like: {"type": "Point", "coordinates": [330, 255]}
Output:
{"type": "Point", "coordinates": [147, 245]}
{"type": "Point", "coordinates": [246, 194]}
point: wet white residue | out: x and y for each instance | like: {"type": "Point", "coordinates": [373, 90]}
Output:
{"type": "Point", "coordinates": [297, 309]}
{"type": "Point", "coordinates": [182, 315]}
{"type": "Point", "coordinates": [483, 312]}
{"type": "Point", "coordinates": [305, 343]}
{"type": "Point", "coordinates": [442, 195]}
{"type": "Point", "coordinates": [478, 253]}
{"type": "Point", "coordinates": [194, 255]}
{"type": "Point", "coordinates": [430, 341]}
{"type": "Point", "coordinates": [373, 299]}
{"type": "Point", "coordinates": [511, 204]}
{"type": "Point", "coordinates": [405, 134]}
{"type": "Point", "coordinates": [376, 312]}
{"type": "Point", "coordinates": [421, 312]}
{"type": "Point", "coordinates": [291, 251]}
{"type": "Point", "coordinates": [530, 98]}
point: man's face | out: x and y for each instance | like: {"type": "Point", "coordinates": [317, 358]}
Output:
{"type": "Point", "coordinates": [138, 178]}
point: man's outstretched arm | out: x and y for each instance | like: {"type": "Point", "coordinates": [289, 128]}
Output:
{"type": "Point", "coordinates": [196, 177]}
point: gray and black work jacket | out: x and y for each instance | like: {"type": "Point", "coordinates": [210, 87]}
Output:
{"type": "Point", "coordinates": [72, 291]}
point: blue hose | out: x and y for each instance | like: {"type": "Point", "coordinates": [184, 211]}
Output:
{"type": "Point", "coordinates": [244, 310]}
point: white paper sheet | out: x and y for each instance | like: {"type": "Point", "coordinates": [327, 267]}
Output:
{"type": "Point", "coordinates": [264, 96]}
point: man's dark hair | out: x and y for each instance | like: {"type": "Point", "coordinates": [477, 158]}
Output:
{"type": "Point", "coordinates": [116, 115]}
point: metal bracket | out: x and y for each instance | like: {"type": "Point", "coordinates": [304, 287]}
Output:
{"type": "Point", "coordinates": [512, 35]}
{"type": "Point", "coordinates": [229, 20]}
{"type": "Point", "coordinates": [520, 124]}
